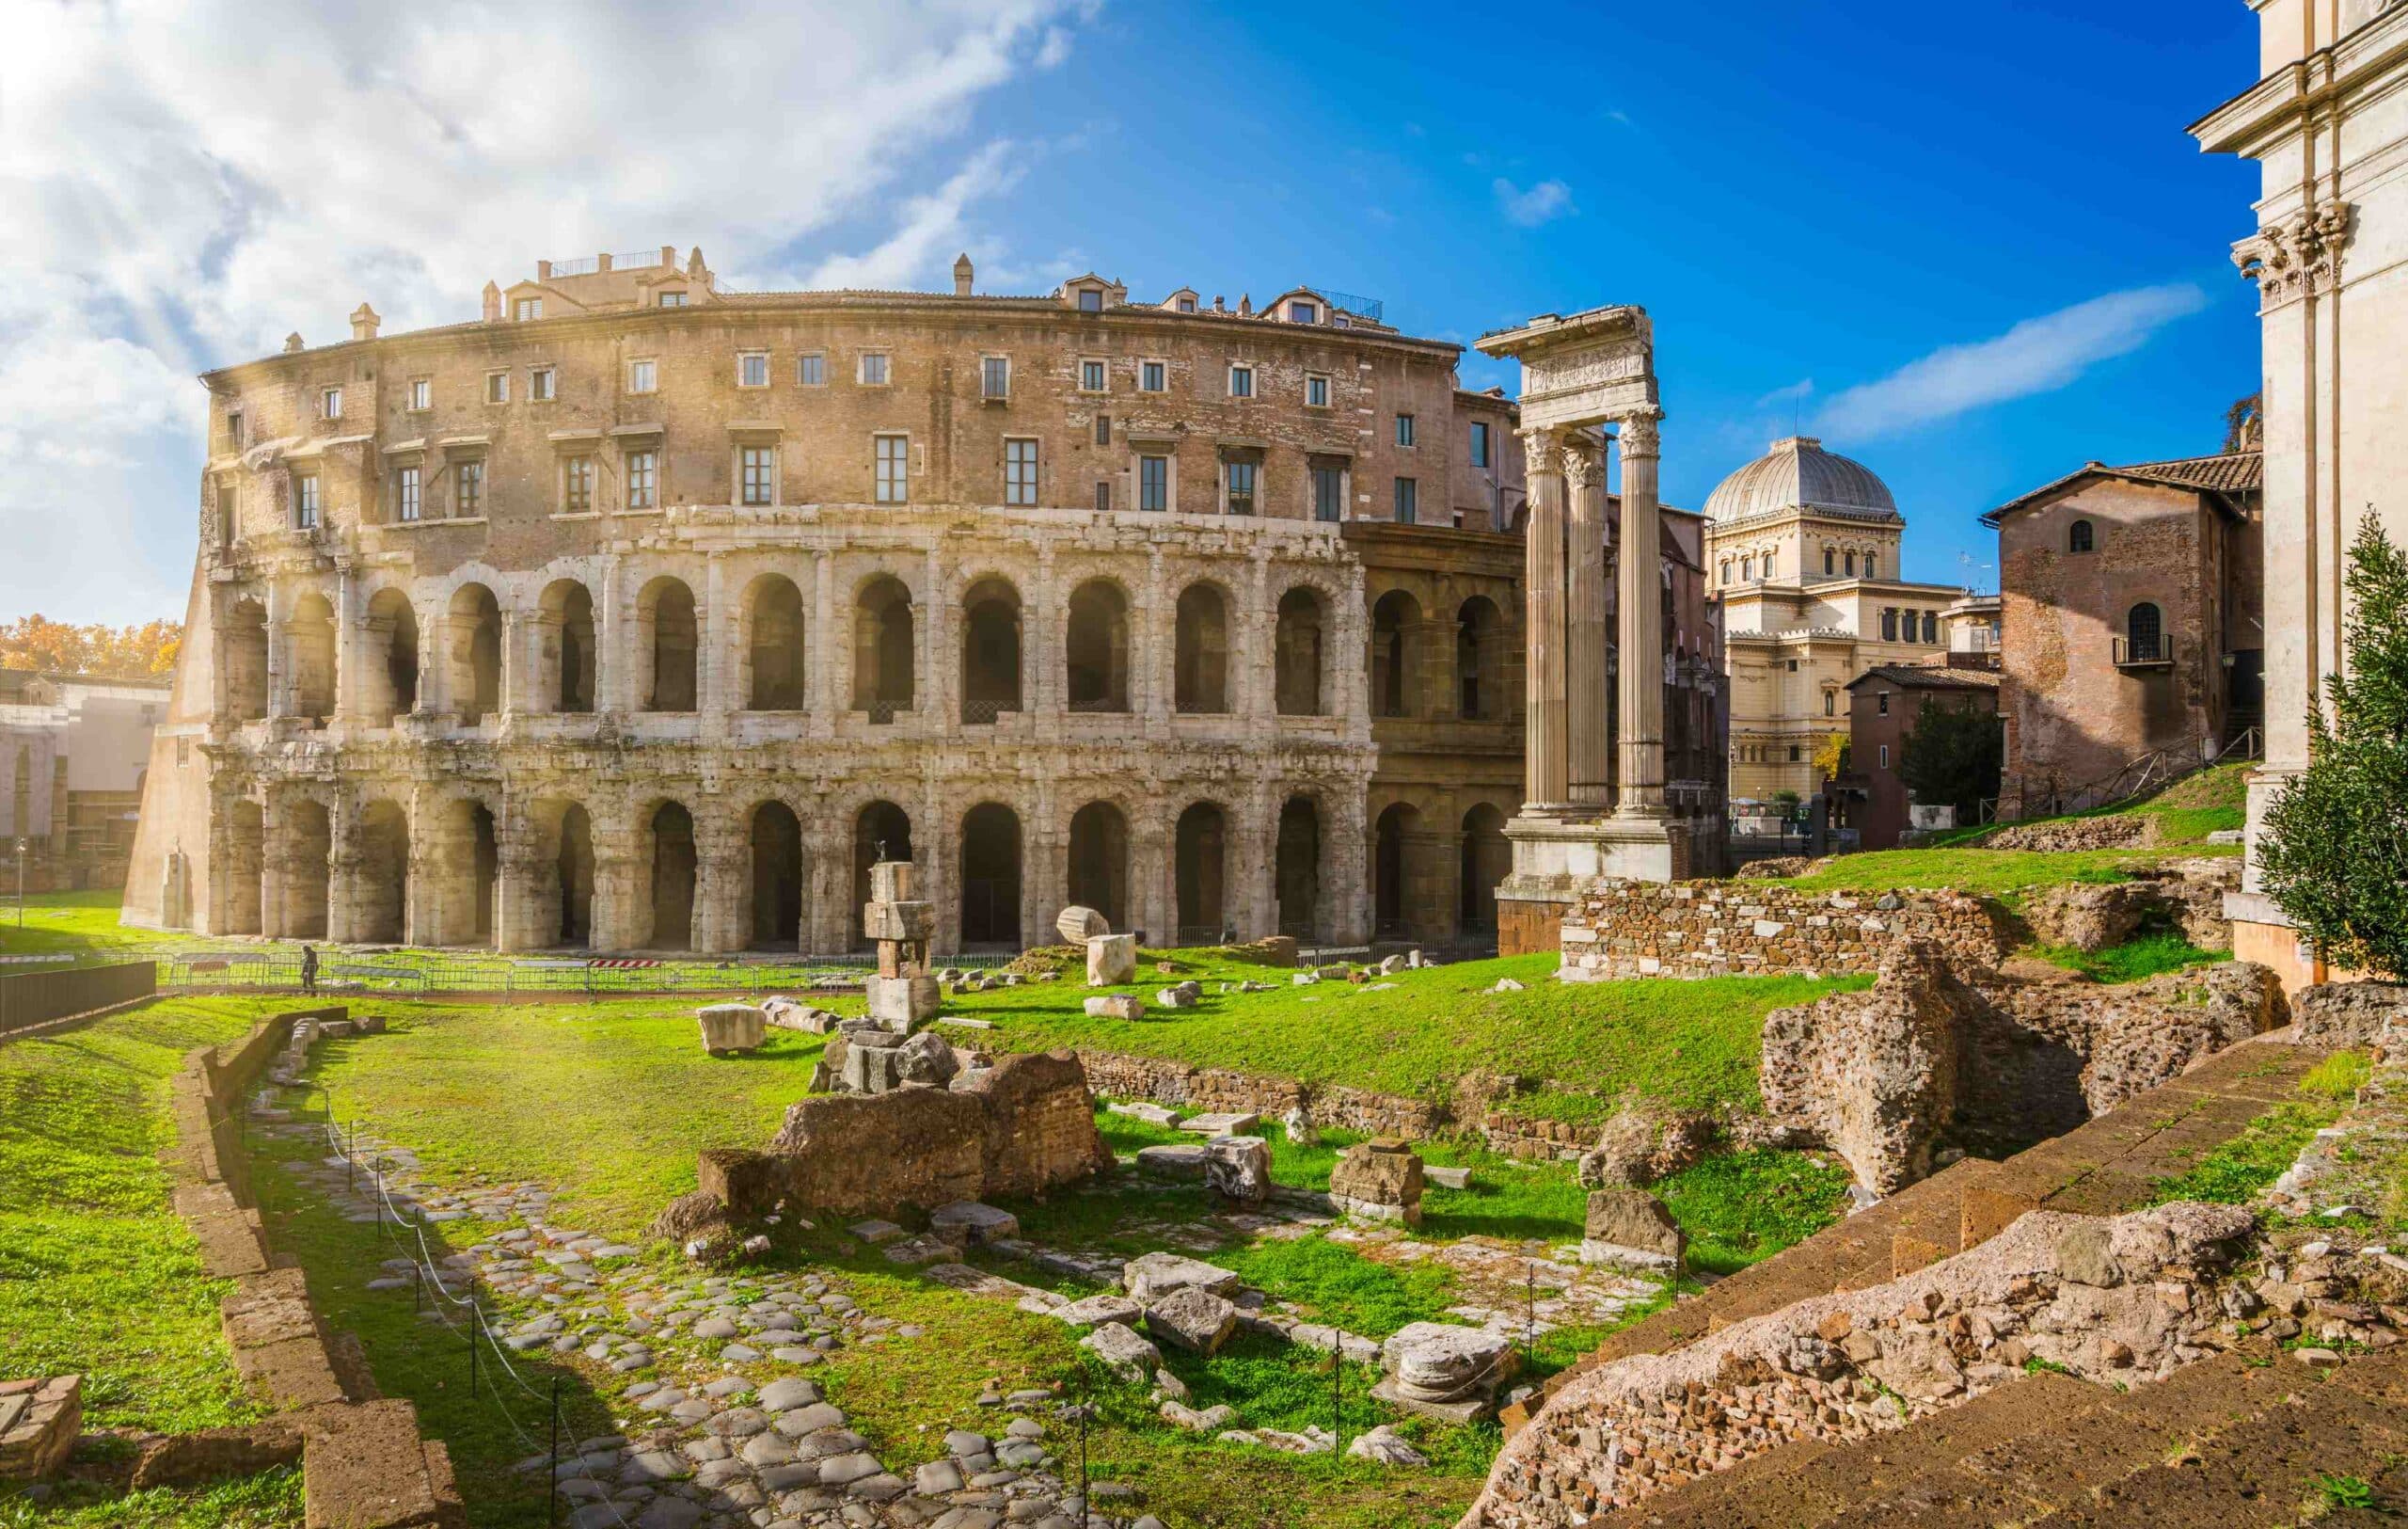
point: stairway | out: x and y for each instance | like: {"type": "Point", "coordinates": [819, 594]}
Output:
{"type": "Point", "coordinates": [2233, 1441]}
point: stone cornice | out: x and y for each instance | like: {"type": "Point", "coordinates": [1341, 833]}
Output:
{"type": "Point", "coordinates": [2244, 125]}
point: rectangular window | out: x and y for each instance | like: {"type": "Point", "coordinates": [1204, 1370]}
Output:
{"type": "Point", "coordinates": [643, 480]}
{"type": "Point", "coordinates": [1885, 752]}
{"type": "Point", "coordinates": [305, 502]}
{"type": "Point", "coordinates": [234, 431]}
{"type": "Point", "coordinates": [1316, 391]}
{"type": "Point", "coordinates": [468, 490]}
{"type": "Point", "coordinates": [1090, 300]}
{"type": "Point", "coordinates": [752, 369]}
{"type": "Point", "coordinates": [1480, 443]}
{"type": "Point", "coordinates": [1882, 702]}
{"type": "Point", "coordinates": [230, 510]}
{"type": "Point", "coordinates": [811, 370]}
{"type": "Point", "coordinates": [1102, 497]}
{"type": "Point", "coordinates": [1187, 305]}
{"type": "Point", "coordinates": [670, 300]}
{"type": "Point", "coordinates": [642, 376]}
{"type": "Point", "coordinates": [759, 467]}
{"type": "Point", "coordinates": [1149, 377]}
{"type": "Point", "coordinates": [330, 402]}
{"type": "Point", "coordinates": [422, 394]}
{"type": "Point", "coordinates": [497, 386]}
{"type": "Point", "coordinates": [1240, 382]}
{"type": "Point", "coordinates": [1304, 312]}
{"type": "Point", "coordinates": [893, 468]}
{"type": "Point", "coordinates": [1329, 494]}
{"type": "Point", "coordinates": [405, 493]}
{"type": "Point", "coordinates": [1404, 429]}
{"type": "Point", "coordinates": [1408, 501]}
{"type": "Point", "coordinates": [1889, 624]}
{"type": "Point", "coordinates": [541, 384]}
{"type": "Point", "coordinates": [527, 307]}
{"type": "Point", "coordinates": [1091, 376]}
{"type": "Point", "coordinates": [873, 371]}
{"type": "Point", "coordinates": [1241, 480]}
{"type": "Point", "coordinates": [1153, 483]}
{"type": "Point", "coordinates": [577, 486]}
{"type": "Point", "coordinates": [1103, 429]}
{"type": "Point", "coordinates": [1020, 472]}
{"type": "Point", "coordinates": [994, 376]}
{"type": "Point", "coordinates": [1831, 703]}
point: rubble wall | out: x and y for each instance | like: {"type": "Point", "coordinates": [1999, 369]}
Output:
{"type": "Point", "coordinates": [1621, 928]}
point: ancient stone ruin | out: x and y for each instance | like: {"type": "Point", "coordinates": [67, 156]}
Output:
{"type": "Point", "coordinates": [730, 1027]}
{"type": "Point", "coordinates": [1379, 1180]}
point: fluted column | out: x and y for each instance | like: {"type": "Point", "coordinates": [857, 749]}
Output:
{"type": "Point", "coordinates": [1584, 664]}
{"type": "Point", "coordinates": [1640, 677]}
{"type": "Point", "coordinates": [1545, 754]}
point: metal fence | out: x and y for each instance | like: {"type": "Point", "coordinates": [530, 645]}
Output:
{"type": "Point", "coordinates": [37, 998]}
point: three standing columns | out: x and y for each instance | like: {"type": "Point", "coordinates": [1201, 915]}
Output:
{"type": "Point", "coordinates": [1565, 764]}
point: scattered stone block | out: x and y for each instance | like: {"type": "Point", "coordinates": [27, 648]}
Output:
{"type": "Point", "coordinates": [1094, 1311]}
{"type": "Point", "coordinates": [1384, 1446]}
{"type": "Point", "coordinates": [892, 880]}
{"type": "Point", "coordinates": [1380, 1180]}
{"type": "Point", "coordinates": [1078, 924]}
{"type": "Point", "coordinates": [39, 1421]}
{"type": "Point", "coordinates": [968, 1221]}
{"type": "Point", "coordinates": [1444, 1371]}
{"type": "Point", "coordinates": [1149, 1277]}
{"type": "Point", "coordinates": [1220, 1124]}
{"type": "Point", "coordinates": [1112, 959]}
{"type": "Point", "coordinates": [877, 1234]}
{"type": "Point", "coordinates": [1298, 1126]}
{"type": "Point", "coordinates": [1506, 984]}
{"type": "Point", "coordinates": [1139, 1109]}
{"type": "Point", "coordinates": [912, 1252]}
{"type": "Point", "coordinates": [1124, 1350]}
{"type": "Point", "coordinates": [1181, 996]}
{"type": "Point", "coordinates": [730, 1027]}
{"type": "Point", "coordinates": [902, 1003]}
{"type": "Point", "coordinates": [1193, 1318]}
{"type": "Point", "coordinates": [1115, 1006]}
{"type": "Point", "coordinates": [1173, 1162]}
{"type": "Point", "coordinates": [1631, 1229]}
{"type": "Point", "coordinates": [1446, 1178]}
{"type": "Point", "coordinates": [1238, 1167]}
{"type": "Point", "coordinates": [924, 1060]}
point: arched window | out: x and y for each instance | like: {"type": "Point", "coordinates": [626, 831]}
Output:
{"type": "Point", "coordinates": [2144, 634]}
{"type": "Point", "coordinates": [883, 654]}
{"type": "Point", "coordinates": [1871, 563]}
{"type": "Point", "coordinates": [2080, 537]}
{"type": "Point", "coordinates": [669, 636]}
{"type": "Point", "coordinates": [1748, 566]}
{"type": "Point", "coordinates": [990, 651]}
{"type": "Point", "coordinates": [1201, 652]}
{"type": "Point", "coordinates": [1095, 652]}
{"type": "Point", "coordinates": [1830, 560]}
{"type": "Point", "coordinates": [1479, 657]}
{"type": "Point", "coordinates": [1931, 626]}
{"type": "Point", "coordinates": [1296, 654]}
{"type": "Point", "coordinates": [1851, 564]}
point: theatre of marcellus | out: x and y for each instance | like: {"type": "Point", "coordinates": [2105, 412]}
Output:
{"type": "Point", "coordinates": [643, 614]}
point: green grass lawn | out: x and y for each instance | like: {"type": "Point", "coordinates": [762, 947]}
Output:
{"type": "Point", "coordinates": [2234, 1172]}
{"type": "Point", "coordinates": [97, 1275]}
{"type": "Point", "coordinates": [74, 921]}
{"type": "Point", "coordinates": [1980, 872]}
{"type": "Point", "coordinates": [2136, 960]}
{"type": "Point", "coordinates": [1689, 1044]}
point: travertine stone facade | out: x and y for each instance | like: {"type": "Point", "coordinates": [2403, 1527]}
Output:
{"type": "Point", "coordinates": [640, 619]}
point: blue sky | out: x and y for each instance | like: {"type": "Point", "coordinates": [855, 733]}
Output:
{"type": "Point", "coordinates": [1969, 245]}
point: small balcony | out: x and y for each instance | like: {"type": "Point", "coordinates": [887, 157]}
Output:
{"type": "Point", "coordinates": [2141, 655]}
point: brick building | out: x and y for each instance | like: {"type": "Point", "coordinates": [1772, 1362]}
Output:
{"type": "Point", "coordinates": [2133, 621]}
{"type": "Point", "coordinates": [1884, 703]}
{"type": "Point", "coordinates": [639, 613]}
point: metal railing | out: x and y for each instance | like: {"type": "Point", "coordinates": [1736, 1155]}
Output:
{"type": "Point", "coordinates": [2150, 772]}
{"type": "Point", "coordinates": [1369, 308]}
{"type": "Point", "coordinates": [30, 998]}
{"type": "Point", "coordinates": [581, 265]}
{"type": "Point", "coordinates": [636, 262]}
{"type": "Point", "coordinates": [2124, 653]}
{"type": "Point", "coordinates": [985, 712]}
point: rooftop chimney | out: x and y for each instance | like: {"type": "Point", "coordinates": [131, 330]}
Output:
{"type": "Point", "coordinates": [363, 322]}
{"type": "Point", "coordinates": [292, 343]}
{"type": "Point", "coordinates": [602, 260]}
{"type": "Point", "coordinates": [961, 275]}
{"type": "Point", "coordinates": [493, 303]}
{"type": "Point", "coordinates": [1246, 304]}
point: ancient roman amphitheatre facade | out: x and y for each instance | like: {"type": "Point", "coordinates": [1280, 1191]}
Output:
{"type": "Point", "coordinates": [641, 614]}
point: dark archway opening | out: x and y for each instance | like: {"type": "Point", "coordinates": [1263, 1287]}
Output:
{"type": "Point", "coordinates": [991, 877]}
{"type": "Point", "coordinates": [1488, 857]}
{"type": "Point", "coordinates": [1297, 654]}
{"type": "Point", "coordinates": [574, 871]}
{"type": "Point", "coordinates": [883, 654]}
{"type": "Point", "coordinates": [672, 832]}
{"type": "Point", "coordinates": [381, 912]}
{"type": "Point", "coordinates": [1100, 861]}
{"type": "Point", "coordinates": [776, 651]}
{"type": "Point", "coordinates": [1199, 861]}
{"type": "Point", "coordinates": [990, 651]}
{"type": "Point", "coordinates": [1297, 869]}
{"type": "Point", "coordinates": [881, 831]}
{"type": "Point", "coordinates": [776, 921]}
{"type": "Point", "coordinates": [1096, 649]}
{"type": "Point", "coordinates": [1389, 873]}
{"type": "Point", "coordinates": [1200, 658]}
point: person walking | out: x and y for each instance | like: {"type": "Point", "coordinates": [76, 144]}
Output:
{"type": "Point", "coordinates": [309, 969]}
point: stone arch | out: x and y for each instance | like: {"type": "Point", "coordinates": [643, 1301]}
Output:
{"type": "Point", "coordinates": [1396, 655]}
{"type": "Point", "coordinates": [1487, 858]}
{"type": "Point", "coordinates": [1095, 649]}
{"type": "Point", "coordinates": [242, 655]}
{"type": "Point", "coordinates": [566, 833]}
{"type": "Point", "coordinates": [1199, 874]}
{"type": "Point", "coordinates": [1098, 862]}
{"type": "Point", "coordinates": [670, 867]}
{"type": "Point", "coordinates": [1392, 870]}
{"type": "Point", "coordinates": [991, 649]}
{"type": "Point", "coordinates": [310, 656]}
{"type": "Point", "coordinates": [877, 823]}
{"type": "Point", "coordinates": [305, 831]}
{"type": "Point", "coordinates": [774, 897]}
{"type": "Point", "coordinates": [1297, 868]}
{"type": "Point", "coordinates": [381, 892]}
{"type": "Point", "coordinates": [883, 648]}
{"type": "Point", "coordinates": [990, 876]}
{"type": "Point", "coordinates": [572, 654]}
{"type": "Point", "coordinates": [1300, 647]}
{"type": "Point", "coordinates": [475, 655]}
{"type": "Point", "coordinates": [1480, 660]}
{"type": "Point", "coordinates": [1200, 650]}
{"type": "Point", "coordinates": [390, 672]}
{"type": "Point", "coordinates": [777, 677]}
{"type": "Point", "coordinates": [669, 643]}
{"type": "Point", "coordinates": [465, 863]}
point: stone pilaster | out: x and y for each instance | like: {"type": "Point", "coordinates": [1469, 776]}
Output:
{"type": "Point", "coordinates": [722, 870]}
{"type": "Point", "coordinates": [1584, 664]}
{"type": "Point", "coordinates": [1546, 759]}
{"type": "Point", "coordinates": [1640, 696]}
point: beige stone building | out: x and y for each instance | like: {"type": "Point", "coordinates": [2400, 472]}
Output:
{"type": "Point", "coordinates": [73, 748]}
{"type": "Point", "coordinates": [1802, 553]}
{"type": "Point", "coordinates": [2328, 124]}
{"type": "Point", "coordinates": [640, 613]}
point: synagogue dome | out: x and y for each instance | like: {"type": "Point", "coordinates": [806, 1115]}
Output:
{"type": "Point", "coordinates": [1797, 473]}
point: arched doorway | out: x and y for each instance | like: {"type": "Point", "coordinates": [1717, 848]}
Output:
{"type": "Point", "coordinates": [380, 909]}
{"type": "Point", "coordinates": [1297, 653]}
{"type": "Point", "coordinates": [1100, 861]}
{"type": "Point", "coordinates": [1478, 660]}
{"type": "Point", "coordinates": [671, 832]}
{"type": "Point", "coordinates": [569, 649]}
{"type": "Point", "coordinates": [1095, 649]}
{"type": "Point", "coordinates": [245, 861]}
{"type": "Point", "coordinates": [476, 654]}
{"type": "Point", "coordinates": [666, 625]}
{"type": "Point", "coordinates": [1297, 869]}
{"type": "Point", "coordinates": [1487, 858]}
{"type": "Point", "coordinates": [881, 831]}
{"type": "Point", "coordinates": [1200, 659]}
{"type": "Point", "coordinates": [1200, 860]}
{"type": "Point", "coordinates": [1390, 874]}
{"type": "Point", "coordinates": [777, 674]}
{"type": "Point", "coordinates": [882, 644]}
{"type": "Point", "coordinates": [392, 659]}
{"type": "Point", "coordinates": [990, 651]}
{"type": "Point", "coordinates": [1396, 657]}
{"type": "Point", "coordinates": [774, 919]}
{"type": "Point", "coordinates": [991, 877]}
{"type": "Point", "coordinates": [307, 835]}
{"type": "Point", "coordinates": [573, 878]}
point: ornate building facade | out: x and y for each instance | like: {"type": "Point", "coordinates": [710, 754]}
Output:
{"type": "Point", "coordinates": [644, 615]}
{"type": "Point", "coordinates": [2328, 124]}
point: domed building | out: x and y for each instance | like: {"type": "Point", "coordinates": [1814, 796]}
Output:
{"type": "Point", "coordinates": [1803, 550]}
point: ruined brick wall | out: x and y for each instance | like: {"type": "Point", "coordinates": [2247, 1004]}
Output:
{"type": "Point", "coordinates": [1715, 929]}
{"type": "Point", "coordinates": [1217, 1090]}
{"type": "Point", "coordinates": [1039, 1123]}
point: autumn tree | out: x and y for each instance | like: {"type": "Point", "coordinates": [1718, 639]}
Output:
{"type": "Point", "coordinates": [35, 642]}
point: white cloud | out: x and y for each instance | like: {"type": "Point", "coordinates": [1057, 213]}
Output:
{"type": "Point", "coordinates": [188, 179]}
{"type": "Point", "coordinates": [1803, 388]}
{"type": "Point", "coordinates": [2038, 356]}
{"type": "Point", "coordinates": [1541, 203]}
